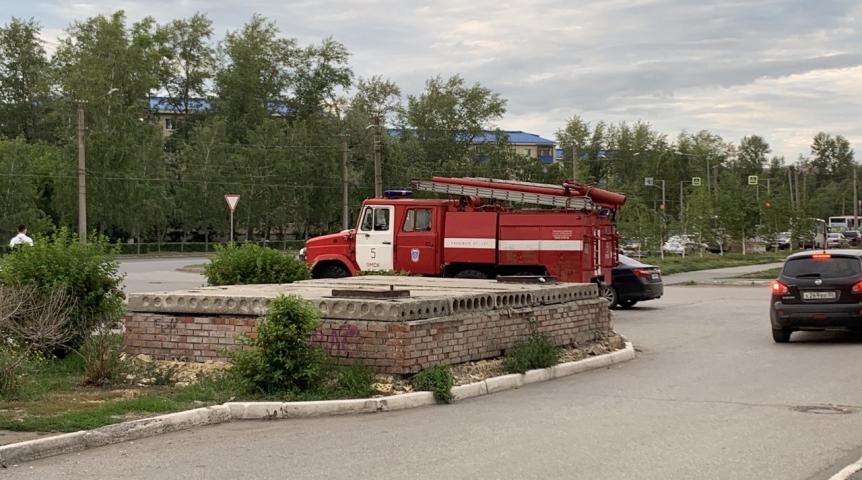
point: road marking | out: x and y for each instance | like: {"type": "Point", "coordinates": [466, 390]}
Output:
{"type": "Point", "coordinates": [845, 472]}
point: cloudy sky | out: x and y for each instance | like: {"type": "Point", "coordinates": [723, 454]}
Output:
{"type": "Point", "coordinates": [781, 69]}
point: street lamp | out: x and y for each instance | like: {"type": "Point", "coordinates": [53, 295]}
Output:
{"type": "Point", "coordinates": [708, 171]}
{"type": "Point", "coordinates": [82, 170]}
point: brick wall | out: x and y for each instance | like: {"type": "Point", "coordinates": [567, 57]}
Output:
{"type": "Point", "coordinates": [389, 347]}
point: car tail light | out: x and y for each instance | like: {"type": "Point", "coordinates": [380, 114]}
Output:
{"type": "Point", "coordinates": [779, 288]}
{"type": "Point", "coordinates": [643, 273]}
{"type": "Point", "coordinates": [857, 288]}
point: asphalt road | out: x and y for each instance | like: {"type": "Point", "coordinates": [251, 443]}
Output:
{"type": "Point", "coordinates": [159, 274]}
{"type": "Point", "coordinates": [709, 396]}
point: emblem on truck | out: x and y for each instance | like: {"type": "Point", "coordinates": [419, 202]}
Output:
{"type": "Point", "coordinates": [414, 255]}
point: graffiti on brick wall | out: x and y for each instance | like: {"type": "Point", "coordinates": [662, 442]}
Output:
{"type": "Point", "coordinates": [336, 340]}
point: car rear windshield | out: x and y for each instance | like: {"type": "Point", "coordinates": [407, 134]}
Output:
{"type": "Point", "coordinates": [833, 267]}
{"type": "Point", "coordinates": [631, 262]}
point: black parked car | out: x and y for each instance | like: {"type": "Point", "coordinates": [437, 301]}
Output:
{"type": "Point", "coordinates": [817, 290]}
{"type": "Point", "coordinates": [632, 282]}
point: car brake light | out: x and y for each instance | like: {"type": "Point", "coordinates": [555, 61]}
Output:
{"type": "Point", "coordinates": [821, 256]}
{"type": "Point", "coordinates": [857, 288]}
{"type": "Point", "coordinates": [642, 273]}
{"type": "Point", "coordinates": [779, 288]}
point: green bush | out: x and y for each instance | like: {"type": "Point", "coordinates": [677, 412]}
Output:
{"type": "Point", "coordinates": [89, 274]}
{"type": "Point", "coordinates": [103, 359]}
{"type": "Point", "coordinates": [281, 359]}
{"type": "Point", "coordinates": [438, 380]}
{"type": "Point", "coordinates": [535, 351]}
{"type": "Point", "coordinates": [249, 264]}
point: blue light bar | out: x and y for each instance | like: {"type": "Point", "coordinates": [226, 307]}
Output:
{"type": "Point", "coordinates": [397, 194]}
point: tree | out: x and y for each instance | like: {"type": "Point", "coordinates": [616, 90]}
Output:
{"type": "Point", "coordinates": [320, 71]}
{"type": "Point", "coordinates": [126, 185]}
{"type": "Point", "coordinates": [204, 180]}
{"type": "Point", "coordinates": [189, 59]}
{"type": "Point", "coordinates": [832, 156]}
{"type": "Point", "coordinates": [751, 155]}
{"type": "Point", "coordinates": [448, 116]}
{"type": "Point", "coordinates": [20, 185]}
{"type": "Point", "coordinates": [25, 85]}
{"type": "Point", "coordinates": [254, 75]}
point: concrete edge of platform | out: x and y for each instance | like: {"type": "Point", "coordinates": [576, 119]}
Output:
{"type": "Point", "coordinates": [77, 441]}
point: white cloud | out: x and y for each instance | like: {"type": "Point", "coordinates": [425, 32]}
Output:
{"type": "Point", "coordinates": [784, 69]}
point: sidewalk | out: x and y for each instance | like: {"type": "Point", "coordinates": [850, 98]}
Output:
{"type": "Point", "coordinates": [721, 276]}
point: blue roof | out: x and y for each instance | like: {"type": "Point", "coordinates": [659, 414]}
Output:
{"type": "Point", "coordinates": [196, 105]}
{"type": "Point", "coordinates": [516, 137]}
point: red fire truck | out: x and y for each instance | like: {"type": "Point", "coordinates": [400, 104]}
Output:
{"type": "Point", "coordinates": [476, 233]}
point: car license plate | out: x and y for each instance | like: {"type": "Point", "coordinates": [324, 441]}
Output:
{"type": "Point", "coordinates": [818, 295]}
{"type": "Point", "coordinates": [655, 276]}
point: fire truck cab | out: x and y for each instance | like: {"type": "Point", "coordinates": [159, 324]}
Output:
{"type": "Point", "coordinates": [472, 234]}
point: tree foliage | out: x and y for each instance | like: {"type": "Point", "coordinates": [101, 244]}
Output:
{"type": "Point", "coordinates": [259, 114]}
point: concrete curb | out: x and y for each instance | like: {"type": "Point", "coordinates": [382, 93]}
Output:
{"type": "Point", "coordinates": [121, 432]}
{"type": "Point", "coordinates": [126, 431]}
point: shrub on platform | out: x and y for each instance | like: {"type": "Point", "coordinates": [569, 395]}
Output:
{"type": "Point", "coordinates": [249, 264]}
{"type": "Point", "coordinates": [535, 351]}
{"type": "Point", "coordinates": [88, 273]}
{"type": "Point", "coordinates": [281, 358]}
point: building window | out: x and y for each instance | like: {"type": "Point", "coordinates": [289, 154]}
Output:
{"type": "Point", "coordinates": [170, 124]}
{"type": "Point", "coordinates": [528, 151]}
{"type": "Point", "coordinates": [546, 151]}
{"type": "Point", "coordinates": [513, 150]}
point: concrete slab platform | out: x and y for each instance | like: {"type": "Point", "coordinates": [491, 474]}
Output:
{"type": "Point", "coordinates": [430, 297]}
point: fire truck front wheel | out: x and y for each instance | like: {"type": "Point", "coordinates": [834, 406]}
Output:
{"type": "Point", "coordinates": [476, 274]}
{"type": "Point", "coordinates": [330, 271]}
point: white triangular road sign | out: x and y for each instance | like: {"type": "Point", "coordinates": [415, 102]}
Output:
{"type": "Point", "coordinates": [232, 200]}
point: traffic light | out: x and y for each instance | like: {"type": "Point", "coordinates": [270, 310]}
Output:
{"type": "Point", "coordinates": [768, 204]}
{"type": "Point", "coordinates": [661, 207]}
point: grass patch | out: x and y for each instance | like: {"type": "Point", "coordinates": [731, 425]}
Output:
{"type": "Point", "coordinates": [56, 401]}
{"type": "Point", "coordinates": [691, 263]}
{"type": "Point", "coordinates": [770, 274]}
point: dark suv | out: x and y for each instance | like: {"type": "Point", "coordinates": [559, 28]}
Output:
{"type": "Point", "coordinates": [817, 291]}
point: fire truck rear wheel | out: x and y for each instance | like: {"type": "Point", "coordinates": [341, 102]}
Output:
{"type": "Point", "coordinates": [610, 294]}
{"type": "Point", "coordinates": [332, 271]}
{"type": "Point", "coordinates": [471, 274]}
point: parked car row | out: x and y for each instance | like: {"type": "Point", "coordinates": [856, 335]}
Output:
{"type": "Point", "coordinates": [846, 239]}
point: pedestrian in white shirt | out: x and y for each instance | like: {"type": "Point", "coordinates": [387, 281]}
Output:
{"type": "Point", "coordinates": [21, 238]}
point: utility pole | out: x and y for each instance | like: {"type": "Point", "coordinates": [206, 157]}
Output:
{"type": "Point", "coordinates": [790, 185]}
{"type": "Point", "coordinates": [345, 212]}
{"type": "Point", "coordinates": [575, 162]}
{"type": "Point", "coordinates": [378, 168]}
{"type": "Point", "coordinates": [796, 185]}
{"type": "Point", "coordinates": [681, 200]}
{"type": "Point", "coordinates": [855, 199]}
{"type": "Point", "coordinates": [82, 177]}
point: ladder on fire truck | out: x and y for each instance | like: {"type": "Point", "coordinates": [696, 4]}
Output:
{"type": "Point", "coordinates": [508, 190]}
